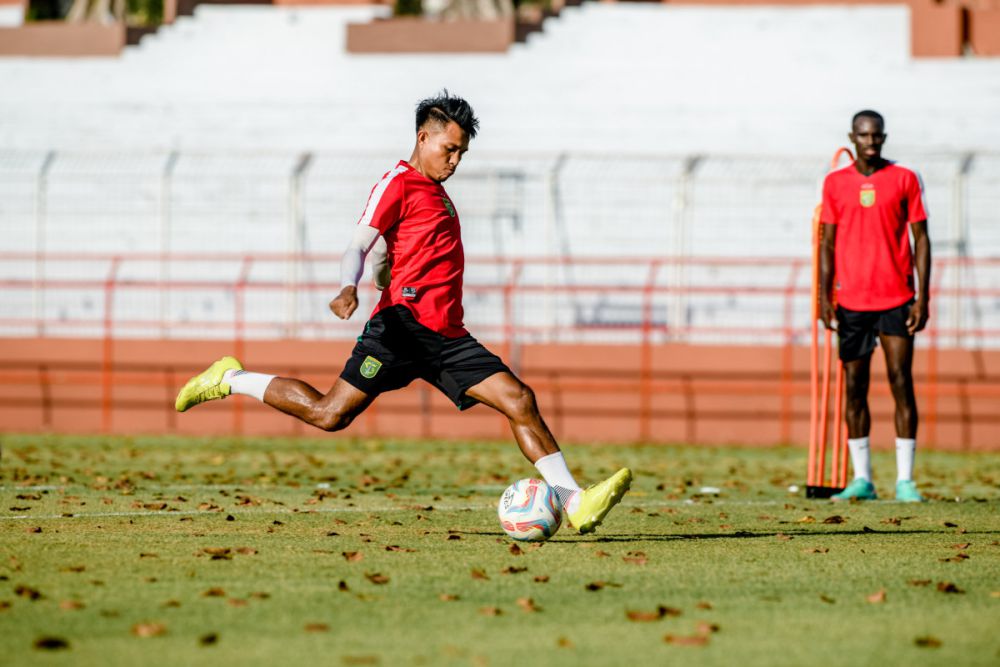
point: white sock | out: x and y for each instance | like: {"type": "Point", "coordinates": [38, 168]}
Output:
{"type": "Point", "coordinates": [861, 458]}
{"type": "Point", "coordinates": [247, 383]}
{"type": "Point", "coordinates": [905, 450]}
{"type": "Point", "coordinates": [557, 475]}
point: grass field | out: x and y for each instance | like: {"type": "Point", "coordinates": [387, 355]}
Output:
{"type": "Point", "coordinates": [118, 551]}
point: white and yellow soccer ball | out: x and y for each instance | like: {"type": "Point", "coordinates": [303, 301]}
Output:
{"type": "Point", "coordinates": [529, 511]}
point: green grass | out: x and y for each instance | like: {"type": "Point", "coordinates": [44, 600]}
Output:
{"type": "Point", "coordinates": [118, 528]}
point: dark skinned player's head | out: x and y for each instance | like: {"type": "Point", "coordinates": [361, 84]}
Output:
{"type": "Point", "coordinates": [868, 135]}
{"type": "Point", "coordinates": [445, 124]}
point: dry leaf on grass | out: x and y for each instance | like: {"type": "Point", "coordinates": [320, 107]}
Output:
{"type": "Point", "coordinates": [342, 586]}
{"type": "Point", "coordinates": [353, 556]}
{"type": "Point", "coordinates": [919, 582]}
{"type": "Point", "coordinates": [927, 641]}
{"type": "Point", "coordinates": [598, 585]}
{"type": "Point", "coordinates": [542, 579]}
{"type": "Point", "coordinates": [479, 574]}
{"type": "Point", "coordinates": [655, 615]}
{"type": "Point", "coordinates": [528, 605]}
{"type": "Point", "coordinates": [247, 551]}
{"type": "Point", "coordinates": [51, 643]}
{"type": "Point", "coordinates": [447, 597]}
{"type": "Point", "coordinates": [806, 519]}
{"type": "Point", "coordinates": [635, 557]}
{"type": "Point", "coordinates": [490, 611]}
{"type": "Point", "coordinates": [704, 605]}
{"type": "Point", "coordinates": [689, 640]}
{"type": "Point", "coordinates": [28, 592]}
{"type": "Point", "coordinates": [316, 627]}
{"type": "Point", "coordinates": [71, 605]}
{"type": "Point", "coordinates": [214, 592]}
{"type": "Point", "coordinates": [563, 642]}
{"type": "Point", "coordinates": [237, 602]}
{"type": "Point", "coordinates": [376, 578]}
{"type": "Point", "coordinates": [393, 547]}
{"type": "Point", "coordinates": [827, 599]}
{"type": "Point", "coordinates": [209, 639]}
{"type": "Point", "coordinates": [816, 550]}
{"type": "Point", "coordinates": [877, 597]}
{"type": "Point", "coordinates": [149, 629]}
{"type": "Point", "coordinates": [706, 628]}
{"type": "Point", "coordinates": [948, 587]}
{"type": "Point", "coordinates": [515, 550]}
{"type": "Point", "coordinates": [601, 554]}
{"type": "Point", "coordinates": [836, 518]}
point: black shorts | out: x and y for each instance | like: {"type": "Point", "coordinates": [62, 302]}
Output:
{"type": "Point", "coordinates": [395, 350]}
{"type": "Point", "coordinates": [858, 329]}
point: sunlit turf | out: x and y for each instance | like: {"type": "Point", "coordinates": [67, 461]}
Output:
{"type": "Point", "coordinates": [348, 552]}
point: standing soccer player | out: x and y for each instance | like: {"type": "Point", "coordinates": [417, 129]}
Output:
{"type": "Point", "coordinates": [411, 227]}
{"type": "Point", "coordinates": [870, 209]}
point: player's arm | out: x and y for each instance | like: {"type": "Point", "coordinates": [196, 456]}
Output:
{"type": "Point", "coordinates": [352, 265]}
{"type": "Point", "coordinates": [383, 210]}
{"type": "Point", "coordinates": [920, 310]}
{"type": "Point", "coordinates": [381, 268]}
{"type": "Point", "coordinates": [827, 247]}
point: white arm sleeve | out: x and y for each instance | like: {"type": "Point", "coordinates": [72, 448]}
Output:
{"type": "Point", "coordinates": [381, 271]}
{"type": "Point", "coordinates": [352, 264]}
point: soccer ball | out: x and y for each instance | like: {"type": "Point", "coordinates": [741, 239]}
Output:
{"type": "Point", "coordinates": [529, 511]}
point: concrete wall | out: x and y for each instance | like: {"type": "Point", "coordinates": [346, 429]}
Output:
{"type": "Point", "coordinates": [57, 38]}
{"type": "Point", "coordinates": [413, 35]}
{"type": "Point", "coordinates": [697, 394]}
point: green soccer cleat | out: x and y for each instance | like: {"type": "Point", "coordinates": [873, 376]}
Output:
{"type": "Point", "coordinates": [597, 500]}
{"type": "Point", "coordinates": [859, 489]}
{"type": "Point", "coordinates": [207, 385]}
{"type": "Point", "coordinates": [906, 492]}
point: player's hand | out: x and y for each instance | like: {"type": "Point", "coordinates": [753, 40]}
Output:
{"type": "Point", "coordinates": [917, 319]}
{"type": "Point", "coordinates": [828, 314]}
{"type": "Point", "coordinates": [344, 305]}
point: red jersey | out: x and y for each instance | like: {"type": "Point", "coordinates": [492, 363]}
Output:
{"type": "Point", "coordinates": [874, 264]}
{"type": "Point", "coordinates": [424, 246]}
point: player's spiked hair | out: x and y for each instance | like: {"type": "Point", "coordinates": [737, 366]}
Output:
{"type": "Point", "coordinates": [868, 113]}
{"type": "Point", "coordinates": [444, 108]}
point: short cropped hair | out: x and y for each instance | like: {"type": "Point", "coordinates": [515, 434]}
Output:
{"type": "Point", "coordinates": [868, 113]}
{"type": "Point", "coordinates": [444, 108]}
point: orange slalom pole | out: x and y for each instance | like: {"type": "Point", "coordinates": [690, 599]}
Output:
{"type": "Point", "coordinates": [837, 474]}
{"type": "Point", "coordinates": [814, 357]}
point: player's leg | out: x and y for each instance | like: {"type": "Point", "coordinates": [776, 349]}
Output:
{"type": "Point", "coordinates": [516, 401]}
{"type": "Point", "coordinates": [330, 412]}
{"type": "Point", "coordinates": [899, 366]}
{"type": "Point", "coordinates": [856, 335]}
{"type": "Point", "coordinates": [585, 508]}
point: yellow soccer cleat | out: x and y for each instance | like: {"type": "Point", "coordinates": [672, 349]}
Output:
{"type": "Point", "coordinates": [597, 500]}
{"type": "Point", "coordinates": [207, 385]}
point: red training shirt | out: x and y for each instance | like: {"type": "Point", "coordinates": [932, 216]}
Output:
{"type": "Point", "coordinates": [874, 264]}
{"type": "Point", "coordinates": [424, 246]}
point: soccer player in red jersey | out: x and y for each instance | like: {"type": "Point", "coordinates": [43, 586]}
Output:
{"type": "Point", "coordinates": [870, 210]}
{"type": "Point", "coordinates": [411, 228]}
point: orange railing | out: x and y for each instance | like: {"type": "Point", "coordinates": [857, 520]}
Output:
{"type": "Point", "coordinates": [781, 281]}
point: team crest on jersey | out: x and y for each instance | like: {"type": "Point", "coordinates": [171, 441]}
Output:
{"type": "Point", "coordinates": [448, 205]}
{"type": "Point", "coordinates": [370, 367]}
{"type": "Point", "coordinates": [867, 195]}
{"type": "Point", "coordinates": [409, 292]}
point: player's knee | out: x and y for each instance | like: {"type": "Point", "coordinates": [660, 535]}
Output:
{"type": "Point", "coordinates": [900, 383]}
{"type": "Point", "coordinates": [523, 404]}
{"type": "Point", "coordinates": [331, 420]}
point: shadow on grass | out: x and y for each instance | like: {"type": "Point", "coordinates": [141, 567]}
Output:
{"type": "Point", "coordinates": [741, 534]}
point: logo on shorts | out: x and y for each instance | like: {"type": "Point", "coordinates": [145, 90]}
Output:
{"type": "Point", "coordinates": [409, 292]}
{"type": "Point", "coordinates": [370, 367]}
{"type": "Point", "coordinates": [448, 205]}
{"type": "Point", "coordinates": [867, 195]}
